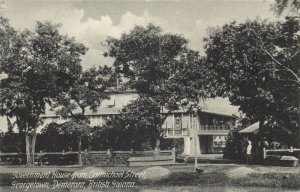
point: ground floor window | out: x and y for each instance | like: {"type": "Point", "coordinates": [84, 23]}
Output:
{"type": "Point", "coordinates": [219, 143]}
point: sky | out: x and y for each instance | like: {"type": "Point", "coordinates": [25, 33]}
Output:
{"type": "Point", "coordinates": [92, 21]}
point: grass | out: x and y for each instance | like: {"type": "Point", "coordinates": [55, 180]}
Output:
{"type": "Point", "coordinates": [214, 175]}
{"type": "Point", "coordinates": [284, 180]}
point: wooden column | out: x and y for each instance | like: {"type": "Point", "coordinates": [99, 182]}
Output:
{"type": "Point", "coordinates": [181, 123]}
{"type": "Point", "coordinates": [173, 124]}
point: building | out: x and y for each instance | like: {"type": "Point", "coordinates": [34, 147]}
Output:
{"type": "Point", "coordinates": [207, 128]}
{"type": "Point", "coordinates": [212, 124]}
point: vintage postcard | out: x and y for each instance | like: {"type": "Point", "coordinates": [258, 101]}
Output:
{"type": "Point", "coordinates": [149, 95]}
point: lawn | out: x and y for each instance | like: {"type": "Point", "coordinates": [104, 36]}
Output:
{"type": "Point", "coordinates": [184, 175]}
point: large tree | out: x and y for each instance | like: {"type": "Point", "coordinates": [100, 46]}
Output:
{"type": "Point", "coordinates": [88, 91]}
{"type": "Point", "coordinates": [138, 125]}
{"type": "Point", "coordinates": [160, 67]}
{"type": "Point", "coordinates": [39, 66]}
{"type": "Point", "coordinates": [256, 64]}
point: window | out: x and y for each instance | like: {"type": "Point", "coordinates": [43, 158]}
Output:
{"type": "Point", "coordinates": [178, 121]}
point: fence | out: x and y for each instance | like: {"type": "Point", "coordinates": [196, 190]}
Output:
{"type": "Point", "coordinates": [88, 157]}
{"type": "Point", "coordinates": [281, 157]}
{"type": "Point", "coordinates": [279, 151]}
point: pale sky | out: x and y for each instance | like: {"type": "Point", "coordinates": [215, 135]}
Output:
{"type": "Point", "coordinates": [92, 21]}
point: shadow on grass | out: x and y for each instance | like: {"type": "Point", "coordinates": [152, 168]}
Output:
{"type": "Point", "coordinates": [191, 178]}
{"type": "Point", "coordinates": [284, 180]}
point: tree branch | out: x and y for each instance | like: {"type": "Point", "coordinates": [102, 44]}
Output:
{"type": "Point", "coordinates": [279, 63]}
{"type": "Point", "coordinates": [262, 47]}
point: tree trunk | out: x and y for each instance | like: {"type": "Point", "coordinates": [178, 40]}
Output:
{"type": "Point", "coordinates": [27, 141]}
{"type": "Point", "coordinates": [79, 151]}
{"type": "Point", "coordinates": [260, 145]}
{"type": "Point", "coordinates": [33, 142]}
{"type": "Point", "coordinates": [157, 144]}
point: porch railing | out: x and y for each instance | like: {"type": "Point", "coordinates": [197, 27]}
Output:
{"type": "Point", "coordinates": [176, 132]}
{"type": "Point", "coordinates": [215, 127]}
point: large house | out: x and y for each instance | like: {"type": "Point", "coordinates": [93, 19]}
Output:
{"type": "Point", "coordinates": [208, 127]}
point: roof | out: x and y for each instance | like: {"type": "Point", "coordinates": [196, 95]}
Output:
{"type": "Point", "coordinates": [118, 100]}
{"type": "Point", "coordinates": [217, 106]}
{"type": "Point", "coordinates": [111, 106]}
{"type": "Point", "coordinates": [220, 106]}
{"type": "Point", "coordinates": [254, 128]}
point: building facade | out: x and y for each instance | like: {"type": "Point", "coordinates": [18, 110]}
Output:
{"type": "Point", "coordinates": [203, 132]}
{"type": "Point", "coordinates": [207, 128]}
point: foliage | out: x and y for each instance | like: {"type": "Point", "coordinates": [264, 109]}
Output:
{"type": "Point", "coordinates": [256, 64]}
{"type": "Point", "coordinates": [146, 56]}
{"type": "Point", "coordinates": [177, 143]}
{"type": "Point", "coordinates": [57, 137]}
{"type": "Point", "coordinates": [167, 75]}
{"type": "Point", "coordinates": [52, 139]}
{"type": "Point", "coordinates": [235, 146]}
{"type": "Point", "coordinates": [158, 65]}
{"type": "Point", "coordinates": [88, 90]}
{"type": "Point", "coordinates": [103, 138]}
{"type": "Point", "coordinates": [39, 66]}
{"type": "Point", "coordinates": [133, 128]}
{"type": "Point", "coordinates": [292, 6]}
{"type": "Point", "coordinates": [77, 128]}
{"type": "Point", "coordinates": [8, 36]}
{"type": "Point", "coordinates": [11, 142]}
{"type": "Point", "coordinates": [141, 121]}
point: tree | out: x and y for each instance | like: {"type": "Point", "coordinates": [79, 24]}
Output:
{"type": "Point", "coordinates": [77, 128]}
{"type": "Point", "coordinates": [256, 64]}
{"type": "Point", "coordinates": [292, 6]}
{"type": "Point", "coordinates": [140, 123]}
{"type": "Point", "coordinates": [39, 66]}
{"type": "Point", "coordinates": [7, 39]}
{"type": "Point", "coordinates": [160, 67]}
{"type": "Point", "coordinates": [88, 90]}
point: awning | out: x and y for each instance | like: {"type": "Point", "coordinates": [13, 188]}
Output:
{"type": "Point", "coordinates": [254, 128]}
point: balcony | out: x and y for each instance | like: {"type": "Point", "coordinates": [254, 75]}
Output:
{"type": "Point", "coordinates": [215, 127]}
{"type": "Point", "coordinates": [171, 132]}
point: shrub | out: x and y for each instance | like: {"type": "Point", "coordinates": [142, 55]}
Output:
{"type": "Point", "coordinates": [235, 146]}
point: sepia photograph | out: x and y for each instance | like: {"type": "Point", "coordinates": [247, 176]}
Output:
{"type": "Point", "coordinates": [149, 95]}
